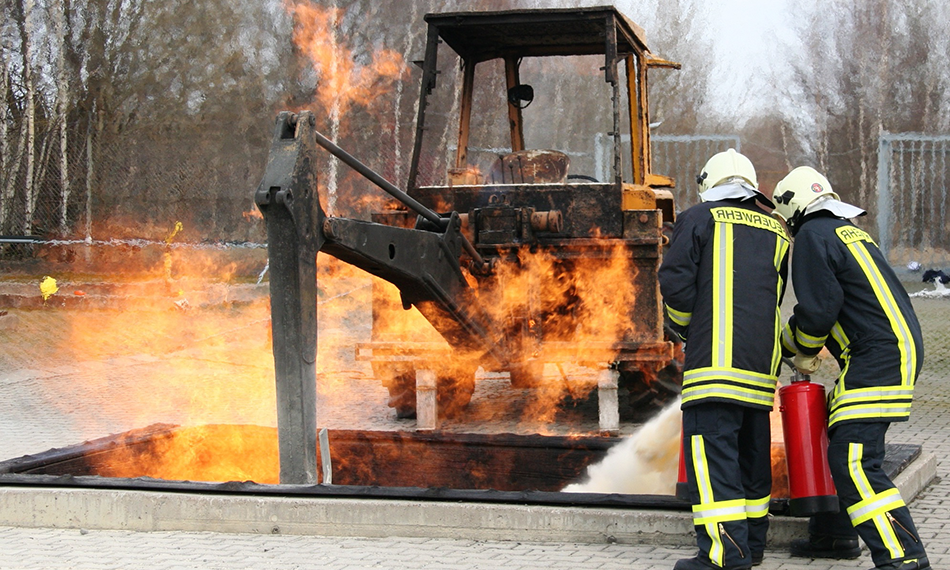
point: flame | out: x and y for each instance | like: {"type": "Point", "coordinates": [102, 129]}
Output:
{"type": "Point", "coordinates": [343, 81]}
{"type": "Point", "coordinates": [581, 300]}
{"type": "Point", "coordinates": [577, 301]}
{"type": "Point", "coordinates": [173, 349]}
{"type": "Point", "coordinates": [252, 214]}
{"type": "Point", "coordinates": [201, 355]}
{"type": "Point", "coordinates": [203, 453]}
{"type": "Point", "coordinates": [470, 175]}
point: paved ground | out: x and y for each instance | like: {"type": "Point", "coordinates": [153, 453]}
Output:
{"type": "Point", "coordinates": [96, 373]}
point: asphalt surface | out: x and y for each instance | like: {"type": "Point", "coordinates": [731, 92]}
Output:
{"type": "Point", "coordinates": [52, 399]}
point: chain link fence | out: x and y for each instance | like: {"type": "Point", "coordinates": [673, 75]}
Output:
{"type": "Point", "coordinates": [913, 220]}
{"type": "Point", "coordinates": [135, 195]}
{"type": "Point", "coordinates": [912, 226]}
{"type": "Point", "coordinates": [139, 185]}
{"type": "Point", "coordinates": [134, 185]}
{"type": "Point", "coordinates": [683, 158]}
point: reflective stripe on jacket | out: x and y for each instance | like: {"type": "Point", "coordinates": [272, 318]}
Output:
{"type": "Point", "coordinates": [722, 282]}
{"type": "Point", "coordinates": [850, 300]}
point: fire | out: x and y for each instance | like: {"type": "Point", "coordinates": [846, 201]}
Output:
{"type": "Point", "coordinates": [202, 453]}
{"type": "Point", "coordinates": [343, 81]}
{"type": "Point", "coordinates": [171, 350]}
{"type": "Point", "coordinates": [252, 215]}
{"type": "Point", "coordinates": [194, 349]}
{"type": "Point", "coordinates": [174, 382]}
{"type": "Point", "coordinates": [579, 303]}
{"type": "Point", "coordinates": [470, 175]}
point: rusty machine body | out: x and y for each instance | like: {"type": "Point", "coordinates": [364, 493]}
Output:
{"type": "Point", "coordinates": [487, 246]}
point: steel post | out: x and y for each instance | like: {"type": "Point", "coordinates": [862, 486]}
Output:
{"type": "Point", "coordinates": [287, 197]}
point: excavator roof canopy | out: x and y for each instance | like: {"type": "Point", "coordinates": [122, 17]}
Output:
{"type": "Point", "coordinates": [480, 36]}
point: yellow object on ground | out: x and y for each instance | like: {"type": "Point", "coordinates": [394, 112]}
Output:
{"type": "Point", "coordinates": [178, 227]}
{"type": "Point", "coordinates": [48, 287]}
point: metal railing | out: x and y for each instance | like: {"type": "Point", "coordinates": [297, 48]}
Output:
{"type": "Point", "coordinates": [912, 202]}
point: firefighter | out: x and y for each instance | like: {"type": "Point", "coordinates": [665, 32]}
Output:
{"type": "Point", "coordinates": [850, 301]}
{"type": "Point", "coordinates": [722, 281]}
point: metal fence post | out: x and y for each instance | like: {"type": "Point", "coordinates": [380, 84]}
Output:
{"type": "Point", "coordinates": [884, 193]}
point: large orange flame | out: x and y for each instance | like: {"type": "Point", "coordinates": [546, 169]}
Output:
{"type": "Point", "coordinates": [583, 303]}
{"type": "Point", "coordinates": [343, 82]}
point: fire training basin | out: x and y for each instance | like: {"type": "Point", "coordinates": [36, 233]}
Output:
{"type": "Point", "coordinates": [431, 466]}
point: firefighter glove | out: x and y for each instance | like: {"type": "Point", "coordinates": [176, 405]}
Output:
{"type": "Point", "coordinates": [807, 364]}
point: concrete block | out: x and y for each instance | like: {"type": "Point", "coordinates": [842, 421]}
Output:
{"type": "Point", "coordinates": [607, 401]}
{"type": "Point", "coordinates": [426, 401]}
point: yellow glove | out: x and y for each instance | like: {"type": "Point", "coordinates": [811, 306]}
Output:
{"type": "Point", "coordinates": [807, 364]}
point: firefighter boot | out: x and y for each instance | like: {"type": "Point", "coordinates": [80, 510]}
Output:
{"type": "Point", "coordinates": [696, 563]}
{"type": "Point", "coordinates": [909, 564]}
{"type": "Point", "coordinates": [816, 546]}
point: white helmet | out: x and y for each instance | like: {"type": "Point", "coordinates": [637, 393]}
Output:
{"type": "Point", "coordinates": [724, 166]}
{"type": "Point", "coordinates": [802, 187]}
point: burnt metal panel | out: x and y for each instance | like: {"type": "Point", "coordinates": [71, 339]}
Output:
{"type": "Point", "coordinates": [588, 209]}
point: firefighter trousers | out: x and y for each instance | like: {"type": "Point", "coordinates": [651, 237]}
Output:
{"type": "Point", "coordinates": [730, 513]}
{"type": "Point", "coordinates": [871, 506]}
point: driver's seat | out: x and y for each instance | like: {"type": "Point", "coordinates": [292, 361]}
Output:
{"type": "Point", "coordinates": [529, 167]}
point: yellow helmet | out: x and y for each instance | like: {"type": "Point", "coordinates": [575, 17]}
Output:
{"type": "Point", "coordinates": [797, 190]}
{"type": "Point", "coordinates": [724, 166]}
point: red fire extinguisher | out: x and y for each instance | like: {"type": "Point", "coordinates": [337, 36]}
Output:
{"type": "Point", "coordinates": [805, 425]}
{"type": "Point", "coordinates": [682, 487]}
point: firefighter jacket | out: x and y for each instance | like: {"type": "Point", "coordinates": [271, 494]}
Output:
{"type": "Point", "coordinates": [850, 301]}
{"type": "Point", "coordinates": [722, 281]}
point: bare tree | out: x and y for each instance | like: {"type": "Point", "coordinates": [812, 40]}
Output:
{"type": "Point", "coordinates": [678, 98]}
{"type": "Point", "coordinates": [59, 16]}
{"type": "Point", "coordinates": [25, 10]}
{"type": "Point", "coordinates": [867, 66]}
{"type": "Point", "coordinates": [769, 144]}
{"type": "Point", "coordinates": [7, 155]}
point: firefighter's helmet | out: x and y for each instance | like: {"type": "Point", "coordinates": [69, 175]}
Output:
{"type": "Point", "coordinates": [800, 187]}
{"type": "Point", "coordinates": [725, 166]}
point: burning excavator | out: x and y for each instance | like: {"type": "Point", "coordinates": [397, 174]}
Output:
{"type": "Point", "coordinates": [520, 251]}
{"type": "Point", "coordinates": [516, 257]}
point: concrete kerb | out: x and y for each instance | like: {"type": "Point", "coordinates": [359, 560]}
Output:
{"type": "Point", "coordinates": [60, 507]}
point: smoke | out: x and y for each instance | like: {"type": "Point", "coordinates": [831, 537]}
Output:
{"type": "Point", "coordinates": [645, 463]}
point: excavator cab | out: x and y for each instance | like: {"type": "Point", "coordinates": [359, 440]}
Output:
{"type": "Point", "coordinates": [567, 80]}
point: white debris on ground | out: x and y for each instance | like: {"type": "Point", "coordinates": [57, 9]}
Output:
{"type": "Point", "coordinates": [939, 280]}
